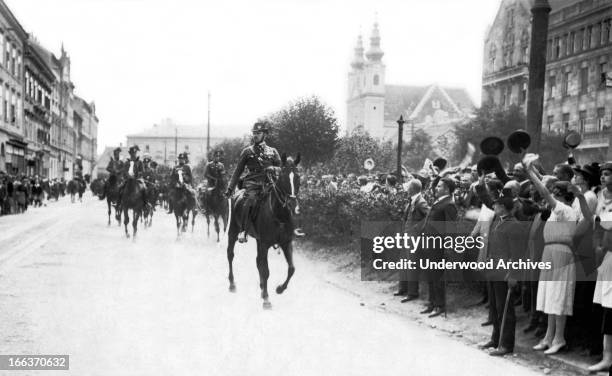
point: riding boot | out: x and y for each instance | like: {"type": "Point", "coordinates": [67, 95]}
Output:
{"type": "Point", "coordinates": [246, 219]}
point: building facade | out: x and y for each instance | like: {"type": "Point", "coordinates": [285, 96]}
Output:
{"type": "Point", "coordinates": [38, 86]}
{"type": "Point", "coordinates": [44, 126]}
{"type": "Point", "coordinates": [164, 141]}
{"type": "Point", "coordinates": [374, 106]}
{"type": "Point", "coordinates": [579, 57]}
{"type": "Point", "coordinates": [12, 135]}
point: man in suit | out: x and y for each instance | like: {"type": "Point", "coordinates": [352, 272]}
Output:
{"type": "Point", "coordinates": [415, 212]}
{"type": "Point", "coordinates": [503, 245]}
{"type": "Point", "coordinates": [439, 222]}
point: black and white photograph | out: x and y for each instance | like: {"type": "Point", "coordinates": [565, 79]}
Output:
{"type": "Point", "coordinates": [305, 187]}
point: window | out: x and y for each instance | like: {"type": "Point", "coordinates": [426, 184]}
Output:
{"type": "Point", "coordinates": [523, 93]}
{"type": "Point", "coordinates": [7, 55]}
{"type": "Point", "coordinates": [587, 37]}
{"type": "Point", "coordinates": [13, 109]}
{"type": "Point", "coordinates": [549, 122]}
{"type": "Point", "coordinates": [602, 75]}
{"type": "Point", "coordinates": [601, 114]}
{"type": "Point", "coordinates": [552, 83]}
{"type": "Point", "coordinates": [565, 88]}
{"type": "Point", "coordinates": [566, 119]}
{"type": "Point", "coordinates": [376, 79]}
{"type": "Point", "coordinates": [557, 48]}
{"type": "Point", "coordinates": [526, 54]}
{"type": "Point", "coordinates": [582, 117]}
{"type": "Point", "coordinates": [584, 80]}
{"type": "Point", "coordinates": [579, 40]}
{"type": "Point", "coordinates": [605, 32]}
{"type": "Point", "coordinates": [5, 104]}
{"type": "Point", "coordinates": [571, 39]}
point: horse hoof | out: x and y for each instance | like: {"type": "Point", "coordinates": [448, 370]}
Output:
{"type": "Point", "coordinates": [279, 289]}
{"type": "Point", "coordinates": [232, 288]}
{"type": "Point", "coordinates": [267, 305]}
{"type": "Point", "coordinates": [127, 236]}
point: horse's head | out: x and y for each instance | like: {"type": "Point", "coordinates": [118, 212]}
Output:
{"type": "Point", "coordinates": [289, 181]}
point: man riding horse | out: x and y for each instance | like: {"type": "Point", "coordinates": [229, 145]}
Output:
{"type": "Point", "coordinates": [78, 172]}
{"type": "Point", "coordinates": [214, 169]}
{"type": "Point", "coordinates": [181, 170]}
{"type": "Point", "coordinates": [114, 168]}
{"type": "Point", "coordinates": [259, 158]}
{"type": "Point", "coordinates": [133, 168]}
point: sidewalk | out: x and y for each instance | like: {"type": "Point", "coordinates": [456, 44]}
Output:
{"type": "Point", "coordinates": [463, 320]}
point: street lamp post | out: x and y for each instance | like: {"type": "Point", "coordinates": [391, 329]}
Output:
{"type": "Point", "coordinates": [400, 133]}
{"type": "Point", "coordinates": [537, 71]}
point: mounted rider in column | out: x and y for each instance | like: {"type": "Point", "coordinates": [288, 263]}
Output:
{"type": "Point", "coordinates": [215, 170]}
{"type": "Point", "coordinates": [182, 171]}
{"type": "Point", "coordinates": [258, 158]}
{"type": "Point", "coordinates": [133, 168]}
{"type": "Point", "coordinates": [115, 170]}
{"type": "Point", "coordinates": [77, 173]}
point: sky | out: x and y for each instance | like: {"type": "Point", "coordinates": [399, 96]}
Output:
{"type": "Point", "coordinates": [141, 61]}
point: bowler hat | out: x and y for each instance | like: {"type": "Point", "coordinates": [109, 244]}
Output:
{"type": "Point", "coordinates": [117, 150]}
{"type": "Point", "coordinates": [440, 163]}
{"type": "Point", "coordinates": [572, 140]}
{"type": "Point", "coordinates": [518, 141]}
{"type": "Point", "coordinates": [492, 146]}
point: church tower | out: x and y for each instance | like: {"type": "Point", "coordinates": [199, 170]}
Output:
{"type": "Point", "coordinates": [366, 88]}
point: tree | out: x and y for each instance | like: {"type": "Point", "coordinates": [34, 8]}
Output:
{"type": "Point", "coordinates": [232, 148]}
{"type": "Point", "coordinates": [417, 150]}
{"type": "Point", "coordinates": [354, 149]}
{"type": "Point", "coordinates": [306, 126]}
{"type": "Point", "coordinates": [495, 121]}
{"type": "Point", "coordinates": [489, 121]}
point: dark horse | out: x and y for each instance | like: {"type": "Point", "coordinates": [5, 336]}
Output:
{"type": "Point", "coordinates": [273, 224]}
{"type": "Point", "coordinates": [215, 204]}
{"type": "Point", "coordinates": [75, 186]}
{"type": "Point", "coordinates": [132, 197]}
{"type": "Point", "coordinates": [183, 202]}
{"type": "Point", "coordinates": [151, 195]}
{"type": "Point", "coordinates": [110, 191]}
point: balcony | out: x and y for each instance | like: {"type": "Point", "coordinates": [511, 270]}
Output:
{"type": "Point", "coordinates": [595, 139]}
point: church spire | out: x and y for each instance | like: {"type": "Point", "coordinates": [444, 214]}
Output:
{"type": "Point", "coordinates": [358, 60]}
{"type": "Point", "coordinates": [375, 53]}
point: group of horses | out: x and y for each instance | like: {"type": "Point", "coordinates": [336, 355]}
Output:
{"type": "Point", "coordinates": [272, 224]}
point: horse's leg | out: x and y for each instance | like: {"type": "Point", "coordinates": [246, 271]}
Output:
{"type": "Point", "coordinates": [193, 215]}
{"type": "Point", "coordinates": [288, 252]}
{"type": "Point", "coordinates": [108, 203]}
{"type": "Point", "coordinates": [136, 216]}
{"type": "Point", "coordinates": [216, 217]}
{"type": "Point", "coordinates": [178, 225]}
{"type": "Point", "coordinates": [232, 236]}
{"type": "Point", "coordinates": [207, 224]}
{"type": "Point", "coordinates": [126, 220]}
{"type": "Point", "coordinates": [264, 273]}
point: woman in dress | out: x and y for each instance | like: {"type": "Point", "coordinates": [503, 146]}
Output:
{"type": "Point", "coordinates": [603, 246]}
{"type": "Point", "coordinates": [556, 286]}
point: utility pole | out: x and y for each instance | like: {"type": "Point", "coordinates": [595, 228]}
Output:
{"type": "Point", "coordinates": [175, 142]}
{"type": "Point", "coordinates": [537, 72]}
{"type": "Point", "coordinates": [165, 159]}
{"type": "Point", "coordinates": [208, 130]}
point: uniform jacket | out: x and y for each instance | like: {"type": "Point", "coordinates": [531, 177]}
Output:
{"type": "Point", "coordinates": [115, 166]}
{"type": "Point", "coordinates": [256, 158]}
{"type": "Point", "coordinates": [138, 169]}
{"type": "Point", "coordinates": [214, 170]}
{"type": "Point", "coordinates": [187, 176]}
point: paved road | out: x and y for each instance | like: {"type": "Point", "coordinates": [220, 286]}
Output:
{"type": "Point", "coordinates": [157, 306]}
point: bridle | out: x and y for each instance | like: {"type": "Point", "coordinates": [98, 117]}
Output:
{"type": "Point", "coordinates": [282, 197]}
